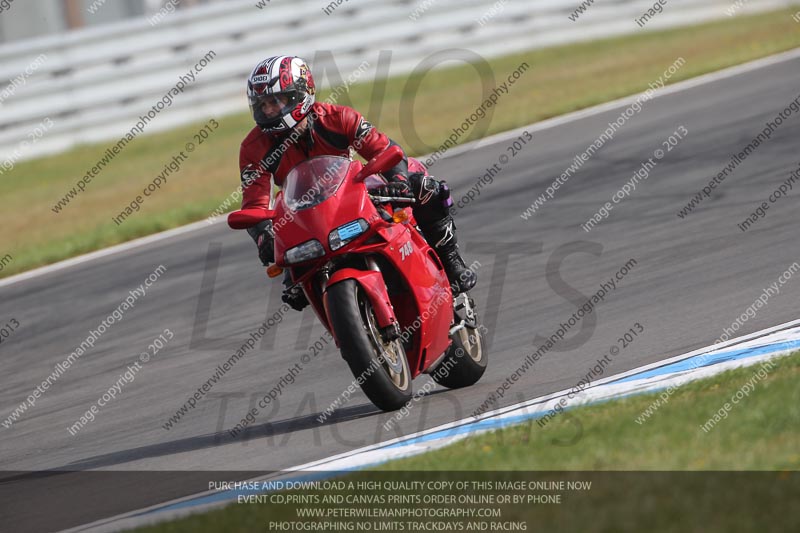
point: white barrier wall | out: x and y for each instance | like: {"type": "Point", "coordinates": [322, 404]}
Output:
{"type": "Point", "coordinates": [93, 84]}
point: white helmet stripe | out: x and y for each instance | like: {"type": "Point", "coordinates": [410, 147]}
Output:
{"type": "Point", "coordinates": [275, 72]}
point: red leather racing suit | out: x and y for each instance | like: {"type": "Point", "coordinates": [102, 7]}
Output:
{"type": "Point", "coordinates": [265, 159]}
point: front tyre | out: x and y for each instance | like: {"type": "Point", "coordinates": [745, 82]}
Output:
{"type": "Point", "coordinates": [381, 366]}
{"type": "Point", "coordinates": [466, 358]}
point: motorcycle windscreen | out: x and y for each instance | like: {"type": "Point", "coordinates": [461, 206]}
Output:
{"type": "Point", "coordinates": [313, 181]}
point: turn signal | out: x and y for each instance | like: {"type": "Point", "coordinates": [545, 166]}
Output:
{"type": "Point", "coordinates": [274, 271]}
{"type": "Point", "coordinates": [400, 216]}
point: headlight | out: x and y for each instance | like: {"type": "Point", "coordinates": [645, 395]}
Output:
{"type": "Point", "coordinates": [303, 252]}
{"type": "Point", "coordinates": [346, 233]}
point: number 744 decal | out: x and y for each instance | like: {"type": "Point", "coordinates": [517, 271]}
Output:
{"type": "Point", "coordinates": [405, 250]}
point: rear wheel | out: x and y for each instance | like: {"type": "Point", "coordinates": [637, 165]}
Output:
{"type": "Point", "coordinates": [466, 359]}
{"type": "Point", "coordinates": [379, 365]}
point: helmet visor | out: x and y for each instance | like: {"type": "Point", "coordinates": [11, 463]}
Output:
{"type": "Point", "coordinates": [273, 106]}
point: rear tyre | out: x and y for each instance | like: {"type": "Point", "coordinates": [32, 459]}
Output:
{"type": "Point", "coordinates": [381, 365]}
{"type": "Point", "coordinates": [466, 358]}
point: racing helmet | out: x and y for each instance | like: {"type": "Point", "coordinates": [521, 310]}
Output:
{"type": "Point", "coordinates": [286, 83]}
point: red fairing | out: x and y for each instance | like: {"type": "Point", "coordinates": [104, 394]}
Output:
{"type": "Point", "coordinates": [429, 290]}
{"type": "Point", "coordinates": [265, 159]}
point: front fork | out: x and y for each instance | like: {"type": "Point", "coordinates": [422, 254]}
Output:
{"type": "Point", "coordinates": [372, 283]}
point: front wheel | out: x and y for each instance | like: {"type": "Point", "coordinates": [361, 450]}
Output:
{"type": "Point", "coordinates": [466, 358]}
{"type": "Point", "coordinates": [380, 366]}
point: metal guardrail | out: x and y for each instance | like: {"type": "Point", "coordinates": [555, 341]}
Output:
{"type": "Point", "coordinates": [93, 84]}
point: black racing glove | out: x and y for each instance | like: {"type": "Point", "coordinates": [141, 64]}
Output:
{"type": "Point", "coordinates": [396, 189]}
{"type": "Point", "coordinates": [266, 248]}
{"type": "Point", "coordinates": [398, 177]}
{"type": "Point", "coordinates": [263, 237]}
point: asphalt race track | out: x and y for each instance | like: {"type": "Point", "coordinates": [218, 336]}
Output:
{"type": "Point", "coordinates": [692, 278]}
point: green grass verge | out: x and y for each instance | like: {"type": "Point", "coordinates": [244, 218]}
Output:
{"type": "Point", "coordinates": [761, 432]}
{"type": "Point", "coordinates": [559, 80]}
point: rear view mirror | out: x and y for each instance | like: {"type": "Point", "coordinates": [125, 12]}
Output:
{"type": "Point", "coordinates": [380, 163]}
{"type": "Point", "coordinates": [247, 218]}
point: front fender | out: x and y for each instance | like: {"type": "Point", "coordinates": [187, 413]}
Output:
{"type": "Point", "coordinates": [375, 288]}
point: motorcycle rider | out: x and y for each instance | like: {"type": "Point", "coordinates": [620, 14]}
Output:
{"type": "Point", "coordinates": [291, 127]}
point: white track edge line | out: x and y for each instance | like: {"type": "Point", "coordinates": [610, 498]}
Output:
{"type": "Point", "coordinates": [104, 252]}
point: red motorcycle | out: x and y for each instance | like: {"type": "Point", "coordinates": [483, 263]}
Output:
{"type": "Point", "coordinates": [371, 278]}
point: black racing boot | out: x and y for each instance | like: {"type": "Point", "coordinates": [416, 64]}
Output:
{"type": "Point", "coordinates": [441, 235]}
{"type": "Point", "coordinates": [293, 295]}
